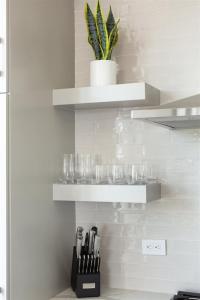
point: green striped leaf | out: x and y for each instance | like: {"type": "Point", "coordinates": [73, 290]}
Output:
{"type": "Point", "coordinates": [110, 23]}
{"type": "Point", "coordinates": [102, 31]}
{"type": "Point", "coordinates": [113, 39]}
{"type": "Point", "coordinates": [109, 56]}
{"type": "Point", "coordinates": [93, 37]}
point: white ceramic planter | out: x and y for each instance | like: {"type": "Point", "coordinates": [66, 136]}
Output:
{"type": "Point", "coordinates": [103, 72]}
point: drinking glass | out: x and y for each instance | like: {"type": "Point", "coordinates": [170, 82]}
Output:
{"type": "Point", "coordinates": [84, 168]}
{"type": "Point", "coordinates": [130, 174]}
{"type": "Point", "coordinates": [142, 173]}
{"type": "Point", "coordinates": [96, 160]}
{"type": "Point", "coordinates": [68, 168]}
{"type": "Point", "coordinates": [80, 167]}
{"type": "Point", "coordinates": [150, 173]}
{"type": "Point", "coordinates": [117, 174]}
{"type": "Point", "coordinates": [103, 174]}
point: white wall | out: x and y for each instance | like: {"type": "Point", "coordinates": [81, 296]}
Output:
{"type": "Point", "coordinates": [159, 43]}
{"type": "Point", "coordinates": [41, 57]}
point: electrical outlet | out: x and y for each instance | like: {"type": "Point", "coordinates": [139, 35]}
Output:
{"type": "Point", "coordinates": [154, 247]}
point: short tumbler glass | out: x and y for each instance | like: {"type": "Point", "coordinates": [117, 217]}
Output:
{"type": "Point", "coordinates": [68, 171]}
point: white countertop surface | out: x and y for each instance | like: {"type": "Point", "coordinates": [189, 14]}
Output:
{"type": "Point", "coordinates": [116, 294]}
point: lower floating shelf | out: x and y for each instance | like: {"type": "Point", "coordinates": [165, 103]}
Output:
{"type": "Point", "coordinates": [107, 193]}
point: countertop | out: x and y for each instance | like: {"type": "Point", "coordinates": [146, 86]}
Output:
{"type": "Point", "coordinates": [117, 294]}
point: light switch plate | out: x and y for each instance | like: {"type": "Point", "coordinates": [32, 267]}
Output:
{"type": "Point", "coordinates": [154, 247]}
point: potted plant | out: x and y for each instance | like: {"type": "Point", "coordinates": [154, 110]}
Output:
{"type": "Point", "coordinates": [103, 37]}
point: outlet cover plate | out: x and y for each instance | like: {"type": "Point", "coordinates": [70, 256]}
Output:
{"type": "Point", "coordinates": [154, 247]}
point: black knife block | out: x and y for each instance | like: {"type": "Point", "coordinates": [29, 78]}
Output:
{"type": "Point", "coordinates": [84, 285]}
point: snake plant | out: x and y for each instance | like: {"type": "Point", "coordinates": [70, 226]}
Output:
{"type": "Point", "coordinates": [102, 34]}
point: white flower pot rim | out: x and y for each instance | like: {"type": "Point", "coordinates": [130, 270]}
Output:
{"type": "Point", "coordinates": [104, 60]}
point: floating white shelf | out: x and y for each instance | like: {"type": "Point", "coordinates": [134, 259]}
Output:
{"type": "Point", "coordinates": [119, 95]}
{"type": "Point", "coordinates": [107, 193]}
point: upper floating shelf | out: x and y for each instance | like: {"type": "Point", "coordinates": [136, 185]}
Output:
{"type": "Point", "coordinates": [119, 95]}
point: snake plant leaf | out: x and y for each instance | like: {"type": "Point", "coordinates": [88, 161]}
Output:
{"type": "Point", "coordinates": [93, 38]}
{"type": "Point", "coordinates": [110, 23]}
{"type": "Point", "coordinates": [113, 39]}
{"type": "Point", "coordinates": [109, 56]}
{"type": "Point", "coordinates": [102, 30]}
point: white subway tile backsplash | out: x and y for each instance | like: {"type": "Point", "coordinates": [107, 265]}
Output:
{"type": "Point", "coordinates": [174, 232]}
{"type": "Point", "coordinates": [160, 43]}
{"type": "Point", "coordinates": [116, 230]}
{"type": "Point", "coordinates": [183, 247]}
{"type": "Point", "coordinates": [156, 272]}
{"type": "Point", "coordinates": [152, 284]}
{"type": "Point", "coordinates": [112, 243]}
